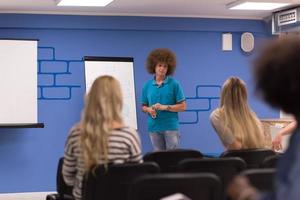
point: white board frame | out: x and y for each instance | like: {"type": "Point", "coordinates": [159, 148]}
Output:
{"type": "Point", "coordinates": [18, 82]}
{"type": "Point", "coordinates": [120, 68]}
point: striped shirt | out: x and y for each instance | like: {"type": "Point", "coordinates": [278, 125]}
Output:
{"type": "Point", "coordinates": [123, 146]}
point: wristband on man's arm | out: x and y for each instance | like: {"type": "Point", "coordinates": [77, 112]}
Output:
{"type": "Point", "coordinates": [169, 108]}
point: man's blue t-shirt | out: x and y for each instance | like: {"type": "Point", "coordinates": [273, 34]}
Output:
{"type": "Point", "coordinates": [168, 93]}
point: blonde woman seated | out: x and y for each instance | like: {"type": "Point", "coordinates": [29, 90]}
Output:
{"type": "Point", "coordinates": [101, 136]}
{"type": "Point", "coordinates": [235, 123]}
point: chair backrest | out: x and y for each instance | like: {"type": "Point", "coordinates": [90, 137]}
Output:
{"type": "Point", "coordinates": [64, 192]}
{"type": "Point", "coordinates": [253, 157]}
{"type": "Point", "coordinates": [262, 179]}
{"type": "Point", "coordinates": [168, 160]}
{"type": "Point", "coordinates": [61, 187]}
{"type": "Point", "coordinates": [113, 182]}
{"type": "Point", "coordinates": [225, 168]}
{"type": "Point", "coordinates": [204, 186]}
{"type": "Point", "coordinates": [270, 161]}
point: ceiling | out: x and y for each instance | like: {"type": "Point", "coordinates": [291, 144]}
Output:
{"type": "Point", "coordinates": [164, 8]}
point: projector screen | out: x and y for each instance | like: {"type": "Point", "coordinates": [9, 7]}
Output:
{"type": "Point", "coordinates": [18, 82]}
{"type": "Point", "coordinates": [122, 70]}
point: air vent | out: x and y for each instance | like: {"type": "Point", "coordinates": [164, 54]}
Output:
{"type": "Point", "coordinates": [287, 17]}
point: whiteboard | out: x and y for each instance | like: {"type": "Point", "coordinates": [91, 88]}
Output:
{"type": "Point", "coordinates": [121, 69]}
{"type": "Point", "coordinates": [18, 82]}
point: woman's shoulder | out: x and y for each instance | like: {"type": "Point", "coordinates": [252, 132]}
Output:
{"type": "Point", "coordinates": [215, 114]}
{"type": "Point", "coordinates": [126, 133]}
{"type": "Point", "coordinates": [74, 134]}
{"type": "Point", "coordinates": [127, 129]}
{"type": "Point", "coordinates": [75, 130]}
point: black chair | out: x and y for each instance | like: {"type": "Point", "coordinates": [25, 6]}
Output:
{"type": "Point", "coordinates": [253, 157]}
{"type": "Point", "coordinates": [113, 182]}
{"type": "Point", "coordinates": [270, 161]}
{"type": "Point", "coordinates": [262, 179]}
{"type": "Point", "coordinates": [204, 186]}
{"type": "Point", "coordinates": [168, 160]}
{"type": "Point", "coordinates": [224, 168]}
{"type": "Point", "coordinates": [64, 192]}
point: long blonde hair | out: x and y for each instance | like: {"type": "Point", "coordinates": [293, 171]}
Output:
{"type": "Point", "coordinates": [238, 117]}
{"type": "Point", "coordinates": [103, 107]}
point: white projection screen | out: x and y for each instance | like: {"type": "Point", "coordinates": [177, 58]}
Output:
{"type": "Point", "coordinates": [18, 82]}
{"type": "Point", "coordinates": [122, 69]}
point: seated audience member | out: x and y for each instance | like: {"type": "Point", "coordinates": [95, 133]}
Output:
{"type": "Point", "coordinates": [235, 123]}
{"type": "Point", "coordinates": [277, 76]}
{"type": "Point", "coordinates": [101, 136]}
{"type": "Point", "coordinates": [289, 129]}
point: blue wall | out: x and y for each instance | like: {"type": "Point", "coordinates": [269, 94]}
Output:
{"type": "Point", "coordinates": [29, 156]}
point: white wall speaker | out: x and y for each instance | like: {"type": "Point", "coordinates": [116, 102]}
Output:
{"type": "Point", "coordinates": [227, 42]}
{"type": "Point", "coordinates": [247, 42]}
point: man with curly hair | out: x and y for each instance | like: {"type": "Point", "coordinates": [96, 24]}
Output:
{"type": "Point", "coordinates": [162, 99]}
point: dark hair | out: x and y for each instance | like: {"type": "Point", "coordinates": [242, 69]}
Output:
{"type": "Point", "coordinates": [164, 56]}
{"type": "Point", "coordinates": [277, 74]}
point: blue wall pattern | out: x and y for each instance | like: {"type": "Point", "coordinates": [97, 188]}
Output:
{"type": "Point", "coordinates": [29, 156]}
{"type": "Point", "coordinates": [50, 70]}
{"type": "Point", "coordinates": [193, 102]}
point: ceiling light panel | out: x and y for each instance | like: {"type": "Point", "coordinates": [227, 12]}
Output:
{"type": "Point", "coordinates": [247, 5]}
{"type": "Point", "coordinates": [90, 3]}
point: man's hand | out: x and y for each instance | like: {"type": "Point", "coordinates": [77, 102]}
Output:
{"type": "Point", "coordinates": [152, 112]}
{"type": "Point", "coordinates": [159, 106]}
